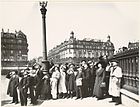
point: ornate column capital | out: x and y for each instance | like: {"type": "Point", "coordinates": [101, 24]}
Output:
{"type": "Point", "coordinates": [43, 5]}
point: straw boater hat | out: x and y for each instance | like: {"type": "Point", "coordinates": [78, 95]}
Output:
{"type": "Point", "coordinates": [62, 66]}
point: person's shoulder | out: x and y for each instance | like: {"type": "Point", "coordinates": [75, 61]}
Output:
{"type": "Point", "coordinates": [119, 68]}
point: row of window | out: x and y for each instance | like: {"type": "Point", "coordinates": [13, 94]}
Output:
{"type": "Point", "coordinates": [83, 46]}
{"type": "Point", "coordinates": [86, 47]}
{"type": "Point", "coordinates": [94, 43]}
{"type": "Point", "coordinates": [10, 46]}
{"type": "Point", "coordinates": [13, 64]}
{"type": "Point", "coordinates": [8, 35]}
{"type": "Point", "coordinates": [13, 41]}
{"type": "Point", "coordinates": [8, 52]}
{"type": "Point", "coordinates": [11, 58]}
{"type": "Point", "coordinates": [12, 35]}
{"type": "Point", "coordinates": [83, 53]}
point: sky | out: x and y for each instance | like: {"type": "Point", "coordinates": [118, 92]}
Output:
{"type": "Point", "coordinates": [90, 19]}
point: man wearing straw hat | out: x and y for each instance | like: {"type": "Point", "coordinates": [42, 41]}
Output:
{"type": "Point", "coordinates": [115, 82]}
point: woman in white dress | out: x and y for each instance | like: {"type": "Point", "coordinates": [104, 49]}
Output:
{"type": "Point", "coordinates": [62, 82]}
{"type": "Point", "coordinates": [54, 82]}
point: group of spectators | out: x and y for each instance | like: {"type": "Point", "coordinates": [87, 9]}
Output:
{"type": "Point", "coordinates": [99, 79]}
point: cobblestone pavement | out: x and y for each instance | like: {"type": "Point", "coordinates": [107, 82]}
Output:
{"type": "Point", "coordinates": [86, 102]}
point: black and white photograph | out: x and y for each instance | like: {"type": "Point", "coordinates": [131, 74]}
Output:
{"type": "Point", "coordinates": [69, 53]}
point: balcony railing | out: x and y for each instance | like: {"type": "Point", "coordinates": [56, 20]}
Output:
{"type": "Point", "coordinates": [129, 62]}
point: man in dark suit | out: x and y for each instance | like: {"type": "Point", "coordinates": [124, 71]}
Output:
{"type": "Point", "coordinates": [86, 78]}
{"type": "Point", "coordinates": [31, 81]}
{"type": "Point", "coordinates": [79, 83]}
{"type": "Point", "coordinates": [23, 88]}
{"type": "Point", "coordinates": [92, 77]}
{"type": "Point", "coordinates": [12, 87]}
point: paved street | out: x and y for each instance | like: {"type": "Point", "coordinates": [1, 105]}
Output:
{"type": "Point", "coordinates": [87, 102]}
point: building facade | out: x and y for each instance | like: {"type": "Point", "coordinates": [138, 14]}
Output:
{"type": "Point", "coordinates": [14, 50]}
{"type": "Point", "coordinates": [73, 50]}
{"type": "Point", "coordinates": [133, 45]}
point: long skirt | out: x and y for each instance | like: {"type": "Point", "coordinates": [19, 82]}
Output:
{"type": "Point", "coordinates": [46, 90]}
{"type": "Point", "coordinates": [98, 91]}
{"type": "Point", "coordinates": [71, 83]}
{"type": "Point", "coordinates": [54, 88]}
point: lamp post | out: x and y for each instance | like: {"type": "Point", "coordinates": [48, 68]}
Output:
{"type": "Point", "coordinates": [43, 10]}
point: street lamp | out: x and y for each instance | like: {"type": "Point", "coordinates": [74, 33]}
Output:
{"type": "Point", "coordinates": [43, 10]}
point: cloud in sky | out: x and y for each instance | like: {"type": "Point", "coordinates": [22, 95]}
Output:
{"type": "Point", "coordinates": [87, 19]}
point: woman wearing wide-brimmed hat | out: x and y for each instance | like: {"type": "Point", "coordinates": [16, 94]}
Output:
{"type": "Point", "coordinates": [100, 75]}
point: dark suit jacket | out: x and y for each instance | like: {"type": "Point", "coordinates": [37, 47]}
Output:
{"type": "Point", "coordinates": [13, 84]}
{"type": "Point", "coordinates": [23, 83]}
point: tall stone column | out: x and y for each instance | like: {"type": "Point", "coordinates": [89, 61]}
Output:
{"type": "Point", "coordinates": [43, 12]}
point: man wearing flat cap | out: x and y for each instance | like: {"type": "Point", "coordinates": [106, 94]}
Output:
{"type": "Point", "coordinates": [115, 82]}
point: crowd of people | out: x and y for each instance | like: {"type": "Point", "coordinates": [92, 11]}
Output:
{"type": "Point", "coordinates": [99, 79]}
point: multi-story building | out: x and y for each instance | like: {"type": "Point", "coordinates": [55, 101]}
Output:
{"type": "Point", "coordinates": [73, 50]}
{"type": "Point", "coordinates": [14, 50]}
{"type": "Point", "coordinates": [133, 45]}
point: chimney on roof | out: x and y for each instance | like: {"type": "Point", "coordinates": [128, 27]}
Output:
{"type": "Point", "coordinates": [8, 31]}
{"type": "Point", "coordinates": [72, 34]}
{"type": "Point", "coordinates": [15, 31]}
{"type": "Point", "coordinates": [108, 38]}
{"type": "Point", "coordinates": [2, 30]}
